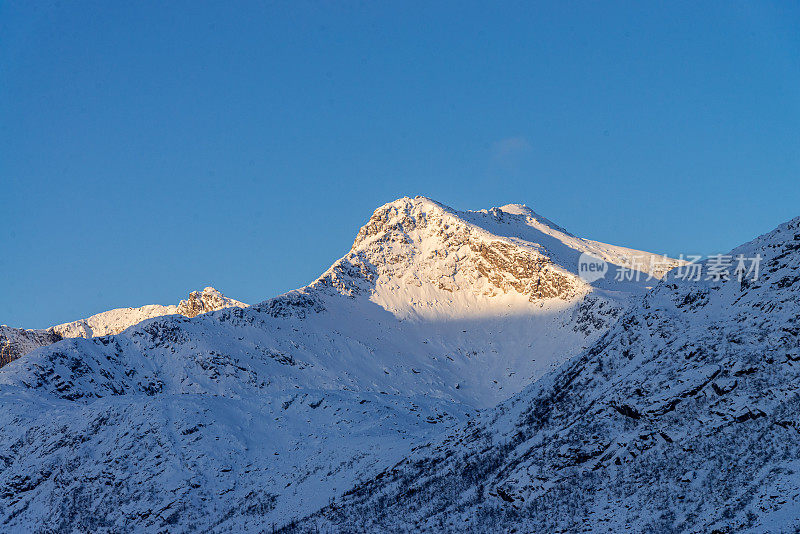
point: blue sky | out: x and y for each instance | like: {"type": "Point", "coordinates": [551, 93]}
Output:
{"type": "Point", "coordinates": [153, 148]}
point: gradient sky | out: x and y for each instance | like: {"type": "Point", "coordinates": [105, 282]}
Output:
{"type": "Point", "coordinates": [150, 149]}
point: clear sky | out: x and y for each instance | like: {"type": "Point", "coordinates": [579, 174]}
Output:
{"type": "Point", "coordinates": [149, 149]}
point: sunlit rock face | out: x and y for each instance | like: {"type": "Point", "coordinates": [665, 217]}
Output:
{"type": "Point", "coordinates": [420, 242]}
{"type": "Point", "coordinates": [205, 301]}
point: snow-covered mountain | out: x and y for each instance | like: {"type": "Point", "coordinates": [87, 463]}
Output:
{"type": "Point", "coordinates": [470, 306]}
{"type": "Point", "coordinates": [242, 418]}
{"type": "Point", "coordinates": [682, 418]}
{"type": "Point", "coordinates": [16, 342]}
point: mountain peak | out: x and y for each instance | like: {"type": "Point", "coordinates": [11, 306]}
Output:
{"type": "Point", "coordinates": [205, 301]}
{"type": "Point", "coordinates": [516, 209]}
{"type": "Point", "coordinates": [418, 255]}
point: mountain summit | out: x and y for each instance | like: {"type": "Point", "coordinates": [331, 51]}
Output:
{"type": "Point", "coordinates": [417, 256]}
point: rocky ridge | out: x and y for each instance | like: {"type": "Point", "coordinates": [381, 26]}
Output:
{"type": "Point", "coordinates": [16, 342]}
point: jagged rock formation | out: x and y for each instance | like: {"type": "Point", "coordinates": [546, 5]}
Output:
{"type": "Point", "coordinates": [206, 301]}
{"type": "Point", "coordinates": [684, 417]}
{"type": "Point", "coordinates": [242, 418]}
{"type": "Point", "coordinates": [16, 342]}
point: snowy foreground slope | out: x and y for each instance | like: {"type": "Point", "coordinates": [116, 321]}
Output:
{"type": "Point", "coordinates": [684, 417]}
{"type": "Point", "coordinates": [16, 342]}
{"type": "Point", "coordinates": [244, 418]}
